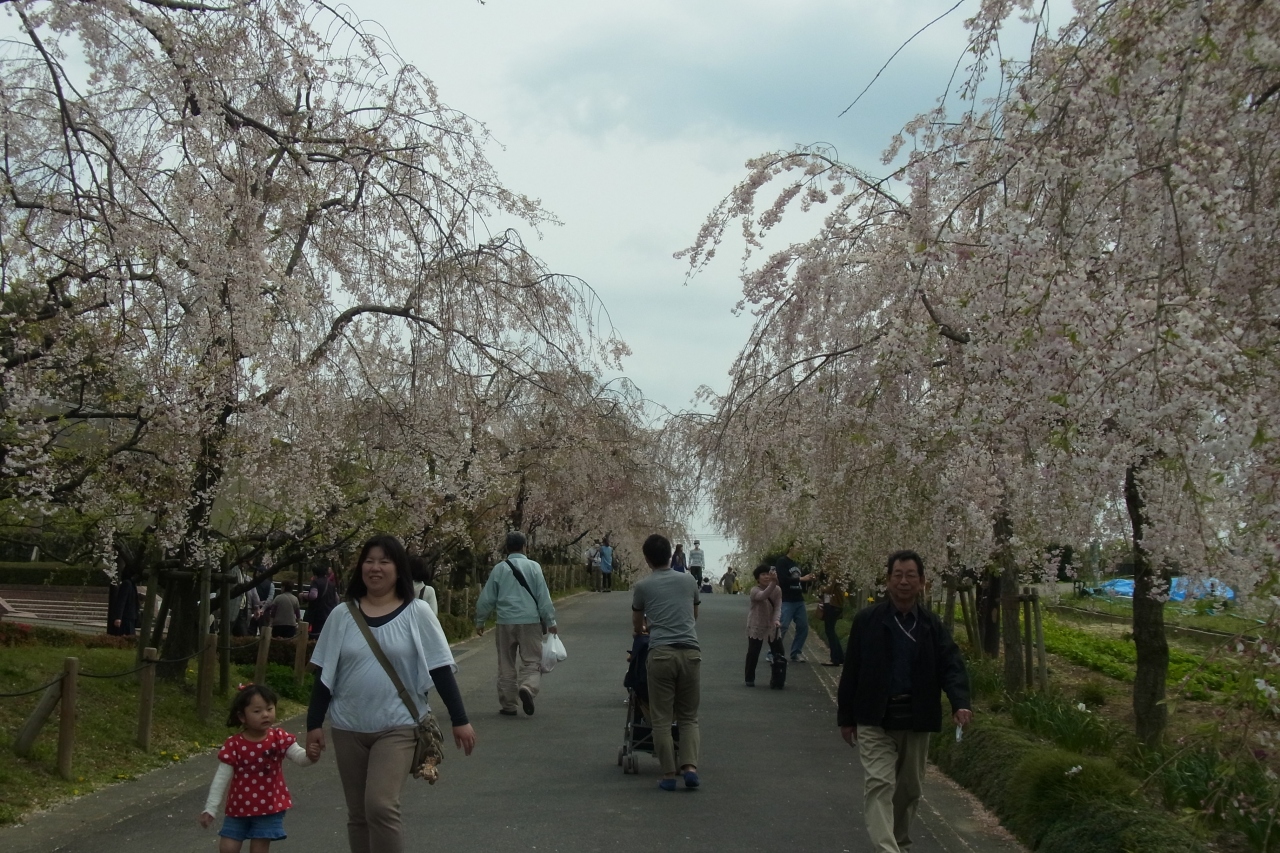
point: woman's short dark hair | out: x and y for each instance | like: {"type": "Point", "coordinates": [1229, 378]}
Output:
{"type": "Point", "coordinates": [418, 569]}
{"type": "Point", "coordinates": [515, 542]}
{"type": "Point", "coordinates": [657, 550]}
{"type": "Point", "coordinates": [390, 546]}
{"type": "Point", "coordinates": [762, 569]}
{"type": "Point", "coordinates": [900, 556]}
{"type": "Point", "coordinates": [245, 696]}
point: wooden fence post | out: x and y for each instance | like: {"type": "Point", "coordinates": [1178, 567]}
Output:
{"type": "Point", "coordinates": [300, 653]}
{"type": "Point", "coordinates": [67, 717]}
{"type": "Point", "coordinates": [1043, 659]}
{"type": "Point", "coordinates": [446, 603]}
{"type": "Point", "coordinates": [966, 612]}
{"type": "Point", "coordinates": [466, 603]}
{"type": "Point", "coordinates": [147, 696]}
{"type": "Point", "coordinates": [1029, 651]}
{"type": "Point", "coordinates": [204, 677]}
{"type": "Point", "coordinates": [949, 608]}
{"type": "Point", "coordinates": [26, 738]}
{"type": "Point", "coordinates": [264, 655]}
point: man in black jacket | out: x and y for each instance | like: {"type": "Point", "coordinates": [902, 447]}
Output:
{"type": "Point", "coordinates": [899, 661]}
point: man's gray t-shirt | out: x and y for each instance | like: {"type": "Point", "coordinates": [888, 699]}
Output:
{"type": "Point", "coordinates": [667, 598]}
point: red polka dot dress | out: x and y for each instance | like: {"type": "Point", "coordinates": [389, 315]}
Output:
{"type": "Point", "coordinates": [257, 784]}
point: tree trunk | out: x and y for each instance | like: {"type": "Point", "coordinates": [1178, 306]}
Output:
{"type": "Point", "coordinates": [1150, 712]}
{"type": "Point", "coordinates": [1014, 682]}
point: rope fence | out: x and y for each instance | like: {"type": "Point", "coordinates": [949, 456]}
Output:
{"type": "Point", "coordinates": [61, 692]}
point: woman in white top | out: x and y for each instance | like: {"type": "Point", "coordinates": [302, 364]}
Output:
{"type": "Point", "coordinates": [372, 729]}
{"type": "Point", "coordinates": [422, 587]}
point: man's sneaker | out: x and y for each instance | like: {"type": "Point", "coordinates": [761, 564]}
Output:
{"type": "Point", "coordinates": [691, 779]}
{"type": "Point", "coordinates": [797, 658]}
{"type": "Point", "coordinates": [667, 784]}
{"type": "Point", "coordinates": [768, 658]}
{"type": "Point", "coordinates": [751, 684]}
{"type": "Point", "coordinates": [526, 699]}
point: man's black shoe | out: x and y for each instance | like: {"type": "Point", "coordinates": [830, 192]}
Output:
{"type": "Point", "coordinates": [507, 712]}
{"type": "Point", "coordinates": [526, 699]}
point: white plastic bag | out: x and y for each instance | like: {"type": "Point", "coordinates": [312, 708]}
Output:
{"type": "Point", "coordinates": [552, 652]}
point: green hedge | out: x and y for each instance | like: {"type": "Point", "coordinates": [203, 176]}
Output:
{"type": "Point", "coordinates": [51, 574]}
{"type": "Point", "coordinates": [1057, 801]}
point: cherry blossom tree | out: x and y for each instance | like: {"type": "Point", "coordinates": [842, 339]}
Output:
{"type": "Point", "coordinates": [249, 278]}
{"type": "Point", "coordinates": [1079, 282]}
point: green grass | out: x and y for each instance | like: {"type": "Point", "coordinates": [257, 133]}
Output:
{"type": "Point", "coordinates": [1199, 677]}
{"type": "Point", "coordinates": [106, 724]}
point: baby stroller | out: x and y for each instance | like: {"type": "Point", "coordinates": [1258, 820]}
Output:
{"type": "Point", "coordinates": [637, 736]}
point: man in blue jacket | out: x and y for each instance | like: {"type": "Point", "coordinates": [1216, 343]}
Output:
{"type": "Point", "coordinates": [899, 661]}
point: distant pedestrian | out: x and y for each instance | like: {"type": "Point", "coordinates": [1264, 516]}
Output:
{"type": "Point", "coordinates": [593, 566]}
{"type": "Point", "coordinates": [322, 598]}
{"type": "Point", "coordinates": [606, 565]}
{"type": "Point", "coordinates": [832, 598]}
{"type": "Point", "coordinates": [678, 563]}
{"type": "Point", "coordinates": [251, 774]}
{"type": "Point", "coordinates": [764, 619]}
{"type": "Point", "coordinates": [122, 609]}
{"type": "Point", "coordinates": [729, 580]}
{"type": "Point", "coordinates": [667, 602]}
{"type": "Point", "coordinates": [517, 592]}
{"type": "Point", "coordinates": [900, 660]}
{"type": "Point", "coordinates": [422, 588]}
{"type": "Point", "coordinates": [284, 612]}
{"type": "Point", "coordinates": [697, 561]}
{"type": "Point", "coordinates": [792, 581]}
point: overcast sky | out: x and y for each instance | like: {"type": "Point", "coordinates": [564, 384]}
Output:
{"type": "Point", "coordinates": [631, 120]}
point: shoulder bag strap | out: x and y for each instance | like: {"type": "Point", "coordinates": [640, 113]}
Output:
{"type": "Point", "coordinates": [382, 659]}
{"type": "Point", "coordinates": [524, 583]}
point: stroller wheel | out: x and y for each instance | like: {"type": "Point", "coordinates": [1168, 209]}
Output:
{"type": "Point", "coordinates": [622, 751]}
{"type": "Point", "coordinates": [632, 765]}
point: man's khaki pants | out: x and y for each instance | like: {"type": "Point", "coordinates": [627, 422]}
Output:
{"type": "Point", "coordinates": [675, 690]}
{"type": "Point", "coordinates": [893, 766]}
{"type": "Point", "coordinates": [519, 662]}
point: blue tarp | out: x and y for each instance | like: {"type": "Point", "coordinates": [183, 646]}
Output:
{"type": "Point", "coordinates": [1182, 588]}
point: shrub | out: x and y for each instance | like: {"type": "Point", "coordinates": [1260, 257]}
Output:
{"type": "Point", "coordinates": [1092, 694]}
{"type": "Point", "coordinates": [21, 634]}
{"type": "Point", "coordinates": [1070, 726]}
{"type": "Point", "coordinates": [1027, 784]}
{"type": "Point", "coordinates": [51, 574]}
{"type": "Point", "coordinates": [985, 680]}
{"type": "Point", "coordinates": [1234, 791]}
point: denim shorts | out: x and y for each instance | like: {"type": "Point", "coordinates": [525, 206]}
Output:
{"type": "Point", "coordinates": [268, 826]}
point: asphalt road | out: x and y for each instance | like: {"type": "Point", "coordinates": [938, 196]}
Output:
{"type": "Point", "coordinates": [775, 774]}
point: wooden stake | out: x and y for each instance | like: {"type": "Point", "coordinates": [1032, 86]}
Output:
{"type": "Point", "coordinates": [264, 655]}
{"type": "Point", "coordinates": [67, 717]}
{"type": "Point", "coordinates": [300, 653]}
{"type": "Point", "coordinates": [26, 738]}
{"type": "Point", "coordinates": [1027, 646]}
{"type": "Point", "coordinates": [204, 678]}
{"type": "Point", "coordinates": [146, 696]}
{"type": "Point", "coordinates": [1043, 657]}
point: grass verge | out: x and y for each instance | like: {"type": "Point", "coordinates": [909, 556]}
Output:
{"type": "Point", "coordinates": [106, 725]}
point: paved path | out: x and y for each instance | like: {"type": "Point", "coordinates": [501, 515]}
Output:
{"type": "Point", "coordinates": [776, 775]}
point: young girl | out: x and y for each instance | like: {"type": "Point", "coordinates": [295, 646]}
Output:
{"type": "Point", "coordinates": [251, 763]}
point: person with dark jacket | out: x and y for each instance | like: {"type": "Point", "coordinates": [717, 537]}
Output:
{"type": "Point", "coordinates": [899, 661]}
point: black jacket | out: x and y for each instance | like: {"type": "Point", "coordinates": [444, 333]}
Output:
{"type": "Point", "coordinates": [936, 667]}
